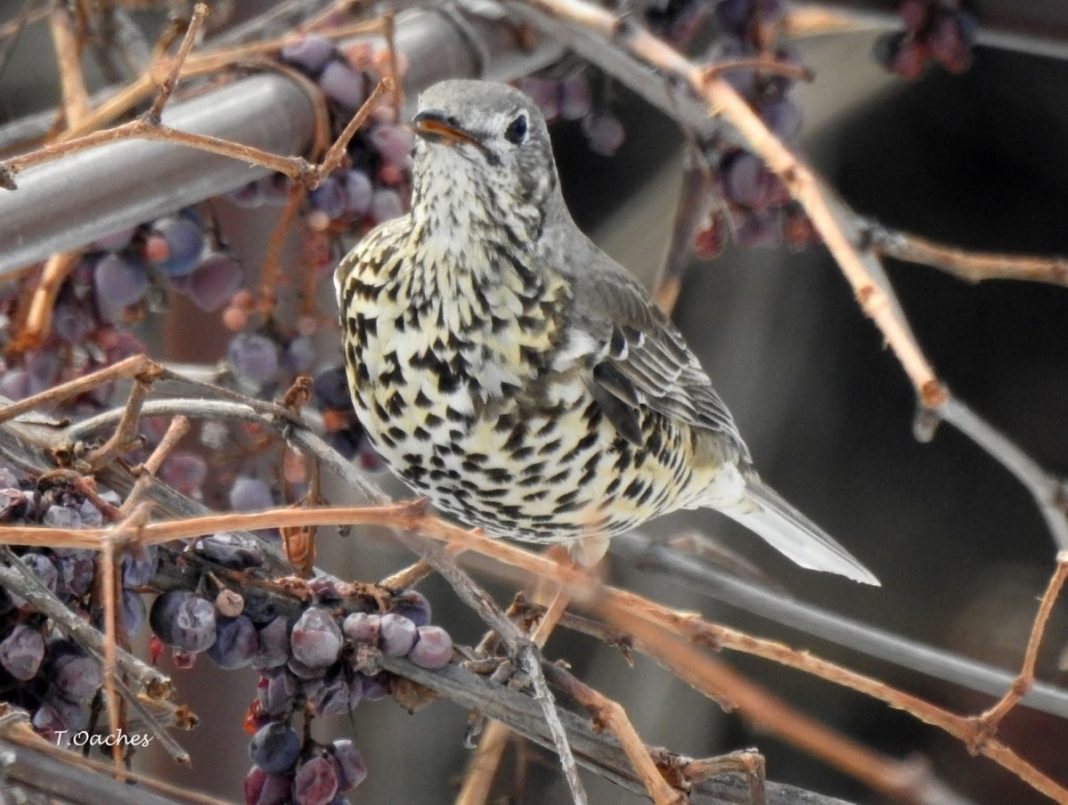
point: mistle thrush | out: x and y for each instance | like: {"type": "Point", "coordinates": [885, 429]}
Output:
{"type": "Point", "coordinates": [509, 370]}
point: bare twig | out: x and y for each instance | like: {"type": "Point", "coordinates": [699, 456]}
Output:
{"type": "Point", "coordinates": [608, 714]}
{"type": "Point", "coordinates": [273, 260]}
{"type": "Point", "coordinates": [75, 103]}
{"type": "Point", "coordinates": [690, 212]}
{"type": "Point", "coordinates": [987, 723]}
{"type": "Point", "coordinates": [128, 367]}
{"type": "Point", "coordinates": [970, 266]}
{"type": "Point", "coordinates": [38, 325]}
{"type": "Point", "coordinates": [519, 647]}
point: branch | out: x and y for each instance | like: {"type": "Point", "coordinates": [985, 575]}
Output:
{"type": "Point", "coordinates": [970, 266]}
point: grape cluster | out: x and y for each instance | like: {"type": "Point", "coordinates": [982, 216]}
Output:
{"type": "Point", "coordinates": [935, 30]}
{"type": "Point", "coordinates": [323, 665]}
{"type": "Point", "coordinates": [375, 184]}
{"type": "Point", "coordinates": [756, 207]}
{"type": "Point", "coordinates": [40, 670]}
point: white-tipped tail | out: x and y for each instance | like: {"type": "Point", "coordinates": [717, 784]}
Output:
{"type": "Point", "coordinates": [789, 531]}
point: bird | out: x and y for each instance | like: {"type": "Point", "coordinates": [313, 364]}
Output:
{"type": "Point", "coordinates": [509, 370]}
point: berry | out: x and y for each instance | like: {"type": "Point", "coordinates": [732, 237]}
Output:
{"type": "Point", "coordinates": [273, 648]}
{"type": "Point", "coordinates": [214, 281]}
{"type": "Point", "coordinates": [310, 53]}
{"type": "Point", "coordinates": [362, 627]}
{"type": "Point", "coordinates": [315, 640]}
{"type": "Point", "coordinates": [397, 635]}
{"type": "Point", "coordinates": [183, 243]}
{"type": "Point", "coordinates": [349, 765]}
{"type": "Point", "coordinates": [22, 651]}
{"type": "Point", "coordinates": [235, 644]}
{"type": "Point", "coordinates": [316, 782]}
{"type": "Point", "coordinates": [118, 282]}
{"type": "Point", "coordinates": [250, 494]}
{"type": "Point", "coordinates": [433, 649]}
{"type": "Point", "coordinates": [274, 748]}
{"type": "Point", "coordinates": [342, 84]}
{"type": "Point", "coordinates": [253, 357]}
{"type": "Point", "coordinates": [412, 605]}
{"type": "Point", "coordinates": [184, 620]}
{"type": "Point", "coordinates": [262, 788]}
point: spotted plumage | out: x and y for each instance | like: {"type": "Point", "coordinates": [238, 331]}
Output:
{"type": "Point", "coordinates": [509, 370]}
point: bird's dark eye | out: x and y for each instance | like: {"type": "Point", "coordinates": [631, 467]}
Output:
{"type": "Point", "coordinates": [517, 130]}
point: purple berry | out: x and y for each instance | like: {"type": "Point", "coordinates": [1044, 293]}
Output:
{"type": "Point", "coordinates": [316, 639]}
{"type": "Point", "coordinates": [348, 764]}
{"type": "Point", "coordinates": [15, 384]}
{"type": "Point", "coordinates": [331, 389]}
{"type": "Point", "coordinates": [376, 687]}
{"type": "Point", "coordinates": [274, 748]}
{"type": "Point", "coordinates": [138, 570]}
{"type": "Point", "coordinates": [77, 569]}
{"type": "Point", "coordinates": [273, 648]}
{"type": "Point", "coordinates": [412, 605]}
{"type": "Point", "coordinates": [397, 635]}
{"type": "Point", "coordinates": [329, 197]}
{"type": "Point", "coordinates": [184, 245]}
{"type": "Point", "coordinates": [309, 52]}
{"type": "Point", "coordinates": [358, 193]}
{"type": "Point", "coordinates": [574, 98]}
{"type": "Point", "coordinates": [329, 697]}
{"type": "Point", "coordinates": [254, 357]}
{"type": "Point", "coordinates": [182, 619]}
{"type": "Point", "coordinates": [134, 614]}
{"type": "Point", "coordinates": [185, 471]}
{"type": "Point", "coordinates": [21, 652]}
{"type": "Point", "coordinates": [262, 788]}
{"type": "Point", "coordinates": [76, 677]}
{"type": "Point", "coordinates": [118, 282]}
{"type": "Point", "coordinates": [231, 551]}
{"type": "Point", "coordinates": [605, 133]}
{"type": "Point", "coordinates": [393, 143]}
{"type": "Point", "coordinates": [362, 627]}
{"type": "Point", "coordinates": [301, 354]}
{"type": "Point", "coordinates": [214, 282]}
{"type": "Point", "coordinates": [342, 84]}
{"type": "Point", "coordinates": [316, 782]}
{"type": "Point", "coordinates": [250, 495]}
{"type": "Point", "coordinates": [433, 649]}
{"type": "Point", "coordinates": [235, 644]}
{"type": "Point", "coordinates": [386, 204]}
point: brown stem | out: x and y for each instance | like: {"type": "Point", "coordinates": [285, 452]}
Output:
{"type": "Point", "coordinates": [75, 103]}
{"type": "Point", "coordinates": [38, 325]}
{"type": "Point", "coordinates": [987, 723]}
{"type": "Point", "coordinates": [969, 266]}
{"type": "Point", "coordinates": [609, 714]}
{"type": "Point", "coordinates": [128, 367]}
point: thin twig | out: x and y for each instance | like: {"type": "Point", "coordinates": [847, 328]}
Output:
{"type": "Point", "coordinates": [518, 646]}
{"type": "Point", "coordinates": [128, 367]}
{"type": "Point", "coordinates": [970, 266]}
{"type": "Point", "coordinates": [988, 721]}
{"type": "Point", "coordinates": [126, 432]}
{"type": "Point", "coordinates": [75, 99]}
{"type": "Point", "coordinates": [272, 261]}
{"type": "Point", "coordinates": [38, 325]}
{"type": "Point", "coordinates": [170, 81]}
{"type": "Point", "coordinates": [609, 714]}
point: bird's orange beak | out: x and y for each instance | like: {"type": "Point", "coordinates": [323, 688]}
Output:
{"type": "Point", "coordinates": [434, 126]}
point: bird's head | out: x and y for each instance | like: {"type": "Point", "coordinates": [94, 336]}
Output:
{"type": "Point", "coordinates": [483, 143]}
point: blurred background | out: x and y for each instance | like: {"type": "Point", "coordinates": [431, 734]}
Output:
{"type": "Point", "coordinates": [975, 159]}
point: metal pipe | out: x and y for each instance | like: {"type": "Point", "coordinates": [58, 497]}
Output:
{"type": "Point", "coordinates": [67, 203]}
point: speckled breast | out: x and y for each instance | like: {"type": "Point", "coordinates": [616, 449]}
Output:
{"type": "Point", "coordinates": [460, 400]}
